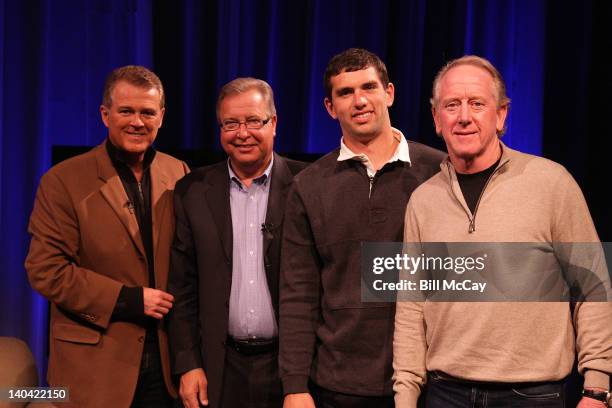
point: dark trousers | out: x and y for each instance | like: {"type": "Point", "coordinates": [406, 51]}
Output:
{"type": "Point", "coordinates": [325, 398]}
{"type": "Point", "coordinates": [251, 381]}
{"type": "Point", "coordinates": [443, 391]}
{"type": "Point", "coordinates": [151, 390]}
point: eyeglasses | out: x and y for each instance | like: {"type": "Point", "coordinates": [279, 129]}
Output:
{"type": "Point", "coordinates": [252, 123]}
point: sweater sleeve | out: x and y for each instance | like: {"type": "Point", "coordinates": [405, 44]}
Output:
{"type": "Point", "coordinates": [574, 228]}
{"type": "Point", "coordinates": [409, 341]}
{"type": "Point", "coordinates": [299, 296]}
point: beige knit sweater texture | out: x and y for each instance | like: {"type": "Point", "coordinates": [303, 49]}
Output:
{"type": "Point", "coordinates": [527, 199]}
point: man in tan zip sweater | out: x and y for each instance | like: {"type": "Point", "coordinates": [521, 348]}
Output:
{"type": "Point", "coordinates": [496, 354]}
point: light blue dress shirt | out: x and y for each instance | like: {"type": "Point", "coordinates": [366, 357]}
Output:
{"type": "Point", "coordinates": [251, 314]}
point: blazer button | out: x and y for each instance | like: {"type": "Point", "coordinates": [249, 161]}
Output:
{"type": "Point", "coordinates": [141, 339]}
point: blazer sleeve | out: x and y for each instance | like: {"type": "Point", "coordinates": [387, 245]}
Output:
{"type": "Point", "coordinates": [53, 260]}
{"type": "Point", "coordinates": [183, 319]}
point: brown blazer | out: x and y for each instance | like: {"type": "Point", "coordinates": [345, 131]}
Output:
{"type": "Point", "coordinates": [85, 245]}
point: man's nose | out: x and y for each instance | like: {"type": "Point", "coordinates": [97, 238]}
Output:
{"type": "Point", "coordinates": [359, 99]}
{"type": "Point", "coordinates": [136, 121]}
{"type": "Point", "coordinates": [464, 114]}
{"type": "Point", "coordinates": [242, 130]}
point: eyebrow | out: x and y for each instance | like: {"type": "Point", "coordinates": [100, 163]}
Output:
{"type": "Point", "coordinates": [365, 85]}
{"type": "Point", "coordinates": [235, 119]}
{"type": "Point", "coordinates": [345, 90]}
{"type": "Point", "coordinates": [369, 84]}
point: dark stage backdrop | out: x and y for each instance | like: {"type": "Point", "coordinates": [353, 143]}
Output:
{"type": "Point", "coordinates": [54, 55]}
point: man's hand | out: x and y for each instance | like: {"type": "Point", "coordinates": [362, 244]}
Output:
{"type": "Point", "coordinates": [586, 402]}
{"type": "Point", "coordinates": [193, 387]}
{"type": "Point", "coordinates": [157, 303]}
{"type": "Point", "coordinates": [301, 400]}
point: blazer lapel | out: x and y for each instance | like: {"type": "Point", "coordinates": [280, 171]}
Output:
{"type": "Point", "coordinates": [114, 193]}
{"type": "Point", "coordinates": [281, 179]}
{"type": "Point", "coordinates": [159, 203]}
{"type": "Point", "coordinates": [218, 201]}
{"type": "Point", "coordinates": [159, 186]}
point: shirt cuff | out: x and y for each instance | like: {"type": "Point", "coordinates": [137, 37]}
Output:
{"type": "Point", "coordinates": [130, 304]}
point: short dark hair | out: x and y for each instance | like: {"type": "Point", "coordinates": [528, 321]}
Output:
{"type": "Point", "coordinates": [354, 59]}
{"type": "Point", "coordinates": [135, 75]}
{"type": "Point", "coordinates": [241, 85]}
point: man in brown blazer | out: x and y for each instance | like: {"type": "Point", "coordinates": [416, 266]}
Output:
{"type": "Point", "coordinates": [101, 231]}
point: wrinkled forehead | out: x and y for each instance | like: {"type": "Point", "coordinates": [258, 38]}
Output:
{"type": "Point", "coordinates": [467, 80]}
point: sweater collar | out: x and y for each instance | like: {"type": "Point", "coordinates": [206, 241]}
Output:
{"type": "Point", "coordinates": [447, 167]}
{"type": "Point", "coordinates": [401, 153]}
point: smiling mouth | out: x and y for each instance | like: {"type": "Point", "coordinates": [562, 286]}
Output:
{"type": "Point", "coordinates": [362, 116]}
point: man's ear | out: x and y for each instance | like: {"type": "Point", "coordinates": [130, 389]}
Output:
{"type": "Point", "coordinates": [502, 113]}
{"type": "Point", "coordinates": [329, 105]}
{"type": "Point", "coordinates": [104, 112]}
{"type": "Point", "coordinates": [390, 91]}
{"type": "Point", "coordinates": [435, 119]}
{"type": "Point", "coordinates": [161, 116]}
{"type": "Point", "coordinates": [273, 121]}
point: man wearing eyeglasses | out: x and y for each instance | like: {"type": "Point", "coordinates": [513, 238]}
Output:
{"type": "Point", "coordinates": [225, 259]}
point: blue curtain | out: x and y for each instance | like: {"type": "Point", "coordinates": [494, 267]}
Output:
{"type": "Point", "coordinates": [55, 55]}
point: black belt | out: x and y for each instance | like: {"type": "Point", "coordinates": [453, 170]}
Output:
{"type": "Point", "coordinates": [251, 347]}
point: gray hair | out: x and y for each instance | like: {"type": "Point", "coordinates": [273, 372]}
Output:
{"type": "Point", "coordinates": [241, 85]}
{"type": "Point", "coordinates": [136, 75]}
{"type": "Point", "coordinates": [479, 62]}
{"type": "Point", "coordinates": [475, 61]}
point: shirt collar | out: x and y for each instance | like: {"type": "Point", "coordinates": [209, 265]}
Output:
{"type": "Point", "coordinates": [401, 153]}
{"type": "Point", "coordinates": [262, 180]}
{"type": "Point", "coordinates": [117, 158]}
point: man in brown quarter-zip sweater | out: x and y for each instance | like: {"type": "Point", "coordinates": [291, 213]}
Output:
{"type": "Point", "coordinates": [335, 349]}
{"type": "Point", "coordinates": [496, 354]}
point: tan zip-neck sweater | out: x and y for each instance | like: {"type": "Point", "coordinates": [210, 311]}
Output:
{"type": "Point", "coordinates": [527, 199]}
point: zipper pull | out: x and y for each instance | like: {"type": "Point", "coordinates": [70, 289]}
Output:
{"type": "Point", "coordinates": [472, 226]}
{"type": "Point", "coordinates": [140, 192]}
